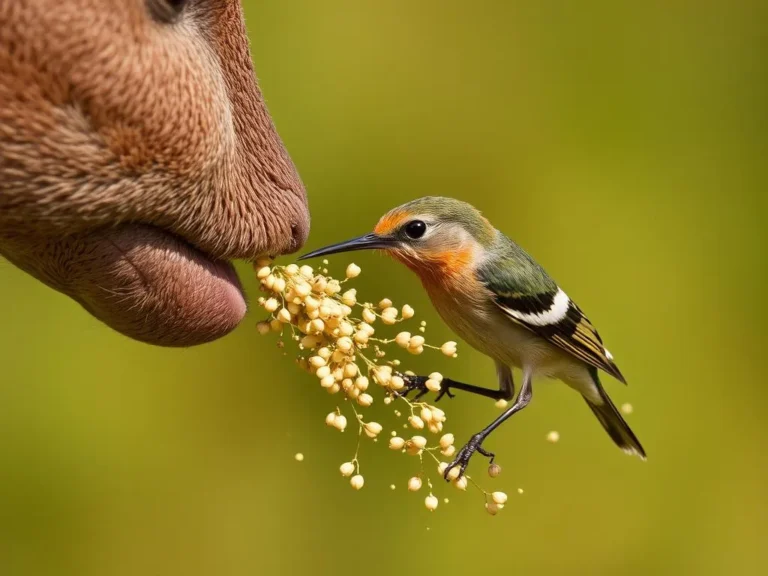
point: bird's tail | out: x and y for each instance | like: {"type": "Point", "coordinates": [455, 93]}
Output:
{"type": "Point", "coordinates": [614, 424]}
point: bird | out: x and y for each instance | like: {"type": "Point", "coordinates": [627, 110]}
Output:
{"type": "Point", "coordinates": [502, 303]}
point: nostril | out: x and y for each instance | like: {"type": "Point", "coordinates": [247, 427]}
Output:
{"type": "Point", "coordinates": [299, 233]}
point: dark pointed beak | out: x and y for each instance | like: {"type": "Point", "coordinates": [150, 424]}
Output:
{"type": "Point", "coordinates": [368, 242]}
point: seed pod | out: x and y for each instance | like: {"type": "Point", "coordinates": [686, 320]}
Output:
{"type": "Point", "coordinates": [461, 483]}
{"type": "Point", "coordinates": [449, 348]}
{"type": "Point", "coordinates": [330, 420]}
{"type": "Point", "coordinates": [323, 371]}
{"type": "Point", "coordinates": [385, 303]}
{"type": "Point", "coordinates": [402, 339]}
{"type": "Point", "coordinates": [419, 441]}
{"type": "Point", "coordinates": [416, 422]}
{"type": "Point", "coordinates": [347, 469]}
{"type": "Point", "coordinates": [494, 470]}
{"type": "Point", "coordinates": [263, 328]}
{"type": "Point", "coordinates": [446, 440]}
{"type": "Point", "coordinates": [431, 502]}
{"type": "Point", "coordinates": [357, 481]}
{"type": "Point", "coordinates": [361, 383]}
{"type": "Point", "coordinates": [433, 385]}
{"type": "Point", "coordinates": [271, 305]}
{"type": "Point", "coordinates": [372, 429]}
{"type": "Point", "coordinates": [353, 270]}
{"type": "Point", "coordinates": [407, 312]}
{"type": "Point", "coordinates": [396, 443]}
{"type": "Point", "coordinates": [492, 508]}
{"type": "Point", "coordinates": [365, 400]}
{"type": "Point", "coordinates": [340, 422]}
{"type": "Point", "coordinates": [499, 497]}
{"type": "Point", "coordinates": [414, 484]}
{"type": "Point", "coordinates": [369, 316]}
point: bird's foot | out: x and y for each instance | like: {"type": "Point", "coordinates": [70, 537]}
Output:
{"type": "Point", "coordinates": [462, 458]}
{"type": "Point", "coordinates": [419, 383]}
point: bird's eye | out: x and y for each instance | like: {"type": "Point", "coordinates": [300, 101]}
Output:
{"type": "Point", "coordinates": [166, 11]}
{"type": "Point", "coordinates": [415, 229]}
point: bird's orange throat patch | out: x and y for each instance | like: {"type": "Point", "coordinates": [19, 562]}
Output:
{"type": "Point", "coordinates": [443, 269]}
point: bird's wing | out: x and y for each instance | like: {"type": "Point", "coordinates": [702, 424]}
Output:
{"type": "Point", "coordinates": [530, 298]}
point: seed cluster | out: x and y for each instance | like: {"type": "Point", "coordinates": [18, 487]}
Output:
{"type": "Point", "coordinates": [338, 344]}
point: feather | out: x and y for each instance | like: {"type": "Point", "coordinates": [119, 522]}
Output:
{"type": "Point", "coordinates": [529, 297]}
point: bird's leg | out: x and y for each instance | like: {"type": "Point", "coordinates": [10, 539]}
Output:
{"type": "Point", "coordinates": [475, 443]}
{"type": "Point", "coordinates": [446, 385]}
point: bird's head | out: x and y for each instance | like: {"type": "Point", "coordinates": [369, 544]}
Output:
{"type": "Point", "coordinates": [434, 236]}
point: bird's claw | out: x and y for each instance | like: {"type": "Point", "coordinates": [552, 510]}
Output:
{"type": "Point", "coordinates": [462, 458]}
{"type": "Point", "coordinates": [419, 383]}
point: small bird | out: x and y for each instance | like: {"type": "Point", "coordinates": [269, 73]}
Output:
{"type": "Point", "coordinates": [501, 302]}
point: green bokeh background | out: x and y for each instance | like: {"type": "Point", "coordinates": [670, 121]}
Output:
{"type": "Point", "coordinates": [621, 144]}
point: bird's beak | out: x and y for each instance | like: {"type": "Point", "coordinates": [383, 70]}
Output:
{"type": "Point", "coordinates": [368, 242]}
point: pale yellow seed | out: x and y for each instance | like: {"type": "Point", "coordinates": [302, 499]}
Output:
{"type": "Point", "coordinates": [433, 385]}
{"type": "Point", "coordinates": [414, 484]}
{"type": "Point", "coordinates": [385, 303]}
{"type": "Point", "coordinates": [449, 348]}
{"type": "Point", "coordinates": [347, 469]}
{"type": "Point", "coordinates": [446, 440]}
{"type": "Point", "coordinates": [263, 272]}
{"type": "Point", "coordinates": [317, 325]}
{"type": "Point", "coordinates": [627, 408]}
{"type": "Point", "coordinates": [461, 483]}
{"type": "Point", "coordinates": [279, 285]}
{"type": "Point", "coordinates": [396, 443]}
{"type": "Point", "coordinates": [453, 474]}
{"type": "Point", "coordinates": [344, 344]}
{"type": "Point", "coordinates": [351, 370]}
{"type": "Point", "coordinates": [299, 457]}
{"type": "Point", "coordinates": [392, 487]}
{"type": "Point", "coordinates": [435, 427]}
{"type": "Point", "coordinates": [353, 271]}
{"type": "Point", "coordinates": [449, 451]}
{"type": "Point", "coordinates": [499, 497]}
{"type": "Point", "coordinates": [291, 269]}
{"type": "Point", "coordinates": [369, 316]}
{"type": "Point", "coordinates": [330, 420]}
{"type": "Point", "coordinates": [333, 389]}
{"type": "Point", "coordinates": [553, 436]}
{"type": "Point", "coordinates": [419, 441]}
{"type": "Point", "coordinates": [323, 371]}
{"type": "Point", "coordinates": [349, 297]}
{"type": "Point", "coordinates": [271, 305]}
{"type": "Point", "coordinates": [365, 400]}
{"type": "Point", "coordinates": [269, 281]}
{"type": "Point", "coordinates": [431, 502]}
{"type": "Point", "coordinates": [303, 290]}
{"type": "Point", "coordinates": [307, 272]}
{"type": "Point", "coordinates": [361, 383]}
{"type": "Point", "coordinates": [357, 481]}
{"type": "Point", "coordinates": [311, 303]}
{"type": "Point", "coordinates": [416, 422]}
{"type": "Point", "coordinates": [437, 414]}
{"type": "Point", "coordinates": [416, 341]}
{"type": "Point", "coordinates": [327, 381]}
{"type": "Point", "coordinates": [396, 383]}
{"type": "Point", "coordinates": [333, 287]}
{"type": "Point", "coordinates": [340, 422]}
{"type": "Point", "coordinates": [317, 361]}
{"type": "Point", "coordinates": [501, 403]}
{"type": "Point", "coordinates": [442, 467]}
{"type": "Point", "coordinates": [294, 309]}
{"type": "Point", "coordinates": [426, 414]}
{"type": "Point", "coordinates": [365, 327]}
{"type": "Point", "coordinates": [372, 429]}
{"type": "Point", "coordinates": [403, 339]}
{"type": "Point", "coordinates": [361, 337]}
{"type": "Point", "coordinates": [519, 490]}
{"type": "Point", "coordinates": [263, 328]}
{"type": "Point", "coordinates": [346, 329]}
{"type": "Point", "coordinates": [407, 312]}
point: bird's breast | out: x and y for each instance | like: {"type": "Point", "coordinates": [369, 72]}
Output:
{"type": "Point", "coordinates": [470, 311]}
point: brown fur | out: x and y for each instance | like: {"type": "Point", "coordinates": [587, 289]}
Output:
{"type": "Point", "coordinates": [135, 156]}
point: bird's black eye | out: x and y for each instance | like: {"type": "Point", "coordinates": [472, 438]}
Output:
{"type": "Point", "coordinates": [415, 229]}
{"type": "Point", "coordinates": [166, 11]}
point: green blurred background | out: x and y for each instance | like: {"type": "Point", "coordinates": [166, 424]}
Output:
{"type": "Point", "coordinates": [622, 144]}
